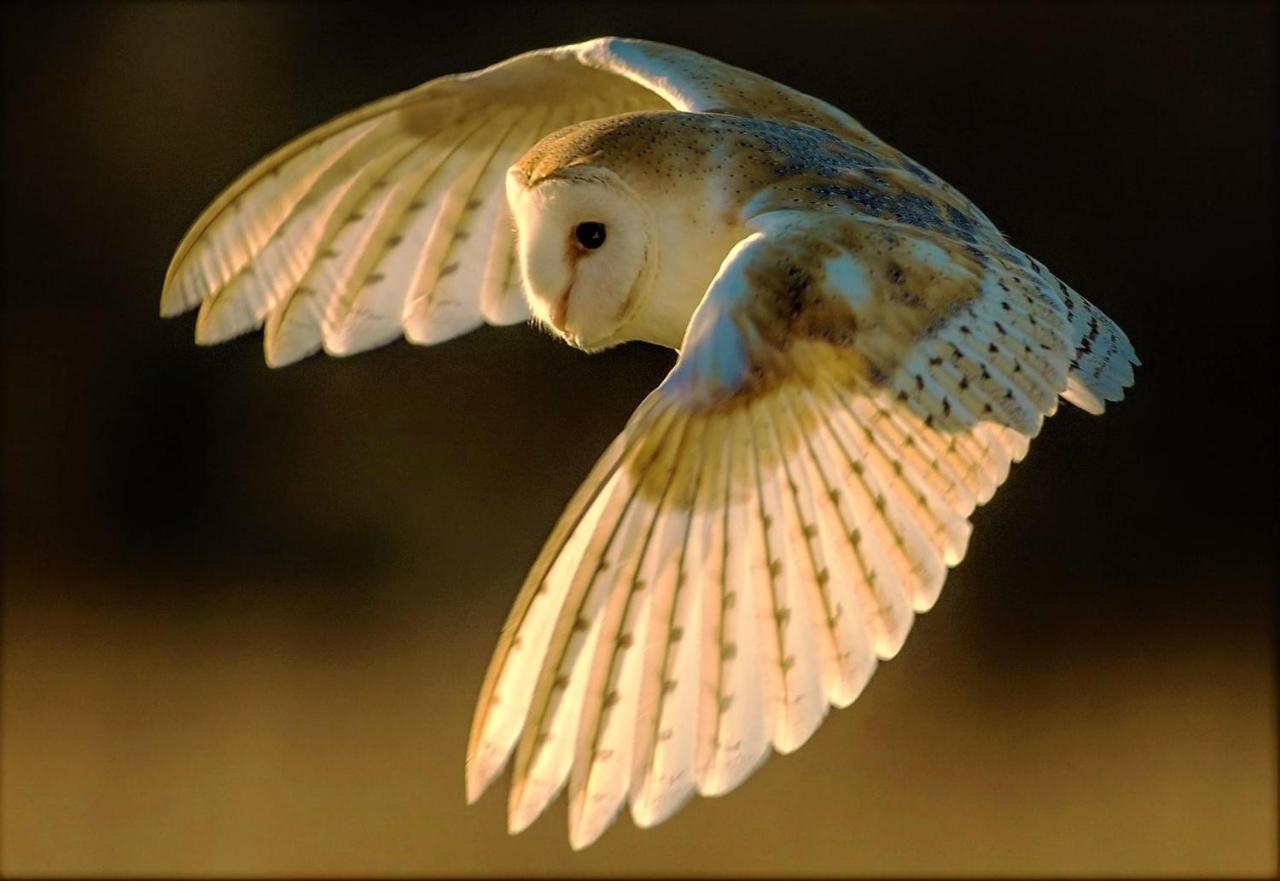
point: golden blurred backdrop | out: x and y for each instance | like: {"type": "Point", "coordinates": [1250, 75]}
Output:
{"type": "Point", "coordinates": [246, 612]}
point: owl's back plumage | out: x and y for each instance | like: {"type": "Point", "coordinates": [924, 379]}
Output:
{"type": "Point", "coordinates": [863, 368]}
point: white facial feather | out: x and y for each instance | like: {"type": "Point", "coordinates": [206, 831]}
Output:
{"type": "Point", "coordinates": [863, 356]}
{"type": "Point", "coordinates": [583, 295]}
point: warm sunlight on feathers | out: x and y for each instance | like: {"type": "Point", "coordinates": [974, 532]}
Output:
{"type": "Point", "coordinates": [862, 358]}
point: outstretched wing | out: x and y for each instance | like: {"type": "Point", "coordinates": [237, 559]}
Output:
{"type": "Point", "coordinates": [774, 514]}
{"type": "Point", "coordinates": [393, 219]}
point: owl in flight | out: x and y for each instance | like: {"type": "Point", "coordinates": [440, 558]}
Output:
{"type": "Point", "coordinates": [861, 357]}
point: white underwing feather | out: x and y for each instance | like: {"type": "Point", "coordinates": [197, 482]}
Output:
{"type": "Point", "coordinates": [734, 741]}
{"type": "Point", "coordinates": [430, 313]}
{"type": "Point", "coordinates": [517, 660]}
{"type": "Point", "coordinates": [796, 705]}
{"type": "Point", "coordinates": [371, 311]}
{"type": "Point", "coordinates": [236, 226]}
{"type": "Point", "coordinates": [545, 751]}
{"type": "Point", "coordinates": [666, 721]}
{"type": "Point", "coordinates": [882, 604]}
{"type": "Point", "coordinates": [348, 247]}
{"type": "Point", "coordinates": [602, 766]}
{"type": "Point", "coordinates": [850, 655]}
{"type": "Point", "coordinates": [902, 467]}
{"type": "Point", "coordinates": [891, 572]}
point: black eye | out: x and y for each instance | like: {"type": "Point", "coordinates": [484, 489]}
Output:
{"type": "Point", "coordinates": [590, 234]}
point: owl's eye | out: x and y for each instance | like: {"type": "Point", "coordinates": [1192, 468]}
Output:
{"type": "Point", "coordinates": [590, 234]}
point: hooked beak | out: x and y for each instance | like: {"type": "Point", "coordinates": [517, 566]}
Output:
{"type": "Point", "coordinates": [560, 310]}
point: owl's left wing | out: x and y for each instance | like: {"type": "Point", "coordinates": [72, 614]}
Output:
{"type": "Point", "coordinates": [775, 513]}
{"type": "Point", "coordinates": [392, 219]}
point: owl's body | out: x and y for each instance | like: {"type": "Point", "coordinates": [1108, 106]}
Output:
{"type": "Point", "coordinates": [862, 357]}
{"type": "Point", "coordinates": [706, 176]}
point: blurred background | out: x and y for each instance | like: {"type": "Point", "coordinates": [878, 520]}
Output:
{"type": "Point", "coordinates": [246, 612]}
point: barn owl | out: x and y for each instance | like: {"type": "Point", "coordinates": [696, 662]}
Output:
{"type": "Point", "coordinates": [862, 355]}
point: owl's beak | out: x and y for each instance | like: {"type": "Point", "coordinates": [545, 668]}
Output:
{"type": "Point", "coordinates": [560, 310]}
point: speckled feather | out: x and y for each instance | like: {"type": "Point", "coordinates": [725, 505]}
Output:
{"type": "Point", "coordinates": [862, 357]}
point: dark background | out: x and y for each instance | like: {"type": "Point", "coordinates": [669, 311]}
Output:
{"type": "Point", "coordinates": [246, 612]}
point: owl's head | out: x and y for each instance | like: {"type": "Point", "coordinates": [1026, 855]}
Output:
{"type": "Point", "coordinates": [585, 249]}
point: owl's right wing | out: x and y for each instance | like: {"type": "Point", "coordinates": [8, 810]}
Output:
{"type": "Point", "coordinates": [392, 219]}
{"type": "Point", "coordinates": [776, 512]}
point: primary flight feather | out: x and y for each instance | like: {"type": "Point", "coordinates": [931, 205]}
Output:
{"type": "Point", "coordinates": [862, 357]}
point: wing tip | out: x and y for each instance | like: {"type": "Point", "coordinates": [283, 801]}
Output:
{"type": "Point", "coordinates": [212, 333]}
{"type": "Point", "coordinates": [174, 296]}
{"type": "Point", "coordinates": [1081, 396]}
{"type": "Point", "coordinates": [1109, 386]}
{"type": "Point", "coordinates": [890, 641]}
{"type": "Point", "coordinates": [586, 828]}
{"type": "Point", "coordinates": [648, 809]}
{"type": "Point", "coordinates": [484, 764]}
{"type": "Point", "coordinates": [525, 803]}
{"type": "Point", "coordinates": [173, 303]}
{"type": "Point", "coordinates": [722, 777]}
{"type": "Point", "coordinates": [577, 843]}
{"type": "Point", "coordinates": [849, 686]}
{"type": "Point", "coordinates": [520, 817]}
{"type": "Point", "coordinates": [278, 352]}
{"type": "Point", "coordinates": [477, 780]}
{"type": "Point", "coordinates": [792, 737]}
